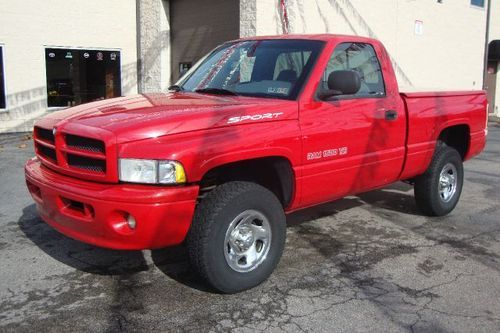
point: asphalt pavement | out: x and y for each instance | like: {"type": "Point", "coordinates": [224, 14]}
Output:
{"type": "Point", "coordinates": [367, 263]}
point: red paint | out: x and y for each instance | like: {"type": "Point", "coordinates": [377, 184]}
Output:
{"type": "Point", "coordinates": [193, 129]}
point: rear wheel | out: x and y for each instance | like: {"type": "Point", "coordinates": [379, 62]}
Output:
{"type": "Point", "coordinates": [237, 236]}
{"type": "Point", "coordinates": [438, 190]}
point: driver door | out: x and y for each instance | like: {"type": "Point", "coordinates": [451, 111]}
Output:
{"type": "Point", "coordinates": [352, 143]}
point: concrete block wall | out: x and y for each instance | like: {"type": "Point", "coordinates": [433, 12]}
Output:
{"type": "Point", "coordinates": [495, 20]}
{"type": "Point", "coordinates": [28, 26]}
{"type": "Point", "coordinates": [248, 18]}
{"type": "Point", "coordinates": [448, 55]}
{"type": "Point", "coordinates": [153, 31]}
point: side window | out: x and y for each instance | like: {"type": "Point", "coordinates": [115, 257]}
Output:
{"type": "Point", "coordinates": [361, 58]}
{"type": "Point", "coordinates": [289, 65]}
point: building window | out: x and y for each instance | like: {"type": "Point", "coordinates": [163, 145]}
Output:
{"type": "Point", "coordinates": [477, 3]}
{"type": "Point", "coordinates": [2, 81]}
{"type": "Point", "coordinates": [80, 76]}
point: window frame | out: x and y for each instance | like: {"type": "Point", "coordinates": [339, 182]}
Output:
{"type": "Point", "coordinates": [2, 53]}
{"type": "Point", "coordinates": [352, 97]}
{"type": "Point", "coordinates": [78, 48]}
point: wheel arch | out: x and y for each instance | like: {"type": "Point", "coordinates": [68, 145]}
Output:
{"type": "Point", "coordinates": [456, 136]}
{"type": "Point", "coordinates": [273, 172]}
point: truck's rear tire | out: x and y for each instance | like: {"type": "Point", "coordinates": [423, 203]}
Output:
{"type": "Point", "coordinates": [237, 236]}
{"type": "Point", "coordinates": [438, 190]}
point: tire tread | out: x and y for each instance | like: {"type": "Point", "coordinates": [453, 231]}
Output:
{"type": "Point", "coordinates": [425, 194]}
{"type": "Point", "coordinates": [199, 235]}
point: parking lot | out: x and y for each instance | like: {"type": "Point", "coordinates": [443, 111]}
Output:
{"type": "Point", "coordinates": [365, 263]}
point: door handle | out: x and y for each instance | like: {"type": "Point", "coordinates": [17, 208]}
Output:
{"type": "Point", "coordinates": [391, 115]}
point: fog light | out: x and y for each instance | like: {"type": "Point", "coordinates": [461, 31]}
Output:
{"type": "Point", "coordinates": [131, 221]}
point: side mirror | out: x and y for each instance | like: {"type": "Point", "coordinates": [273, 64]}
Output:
{"type": "Point", "coordinates": [346, 82]}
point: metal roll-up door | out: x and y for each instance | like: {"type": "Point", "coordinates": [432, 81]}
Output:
{"type": "Point", "coordinates": [198, 26]}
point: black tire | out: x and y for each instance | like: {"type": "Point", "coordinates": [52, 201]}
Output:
{"type": "Point", "coordinates": [206, 240]}
{"type": "Point", "coordinates": [427, 186]}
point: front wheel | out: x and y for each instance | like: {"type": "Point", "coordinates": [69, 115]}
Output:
{"type": "Point", "coordinates": [237, 236]}
{"type": "Point", "coordinates": [438, 190]}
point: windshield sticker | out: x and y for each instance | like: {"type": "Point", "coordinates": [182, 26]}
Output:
{"type": "Point", "coordinates": [254, 117]}
{"type": "Point", "coordinates": [273, 90]}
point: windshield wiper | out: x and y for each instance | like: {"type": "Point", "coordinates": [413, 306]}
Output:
{"type": "Point", "coordinates": [216, 91]}
{"type": "Point", "coordinates": [175, 88]}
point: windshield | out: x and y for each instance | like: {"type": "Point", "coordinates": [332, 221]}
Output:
{"type": "Point", "coordinates": [260, 68]}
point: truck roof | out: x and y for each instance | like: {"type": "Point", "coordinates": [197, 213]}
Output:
{"type": "Point", "coordinates": [321, 37]}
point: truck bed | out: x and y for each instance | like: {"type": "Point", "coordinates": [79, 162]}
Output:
{"type": "Point", "coordinates": [429, 112]}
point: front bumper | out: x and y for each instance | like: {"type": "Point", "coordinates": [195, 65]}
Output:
{"type": "Point", "coordinates": [96, 213]}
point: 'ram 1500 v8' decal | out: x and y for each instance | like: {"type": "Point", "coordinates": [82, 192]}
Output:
{"type": "Point", "coordinates": [316, 155]}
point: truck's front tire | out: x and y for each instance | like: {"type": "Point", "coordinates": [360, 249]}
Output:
{"type": "Point", "coordinates": [237, 236]}
{"type": "Point", "coordinates": [438, 190]}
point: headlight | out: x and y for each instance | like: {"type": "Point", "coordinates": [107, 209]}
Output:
{"type": "Point", "coordinates": [170, 172]}
{"type": "Point", "coordinates": [151, 171]}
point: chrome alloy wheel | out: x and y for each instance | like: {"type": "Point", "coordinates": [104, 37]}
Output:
{"type": "Point", "coordinates": [448, 182]}
{"type": "Point", "coordinates": [247, 241]}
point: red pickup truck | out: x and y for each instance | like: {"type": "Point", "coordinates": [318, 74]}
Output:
{"type": "Point", "coordinates": [258, 128]}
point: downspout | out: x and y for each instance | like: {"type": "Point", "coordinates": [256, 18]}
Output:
{"type": "Point", "coordinates": [487, 42]}
{"type": "Point", "coordinates": [140, 89]}
{"type": "Point", "coordinates": [285, 24]}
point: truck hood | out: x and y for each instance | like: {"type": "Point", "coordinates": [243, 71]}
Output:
{"type": "Point", "coordinates": [154, 115]}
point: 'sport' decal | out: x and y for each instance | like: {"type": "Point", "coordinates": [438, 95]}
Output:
{"type": "Point", "coordinates": [254, 117]}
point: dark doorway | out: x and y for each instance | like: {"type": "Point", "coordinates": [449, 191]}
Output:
{"type": "Point", "coordinates": [2, 83]}
{"type": "Point", "coordinates": [491, 78]}
{"type": "Point", "coordinates": [197, 27]}
{"type": "Point", "coordinates": [491, 84]}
